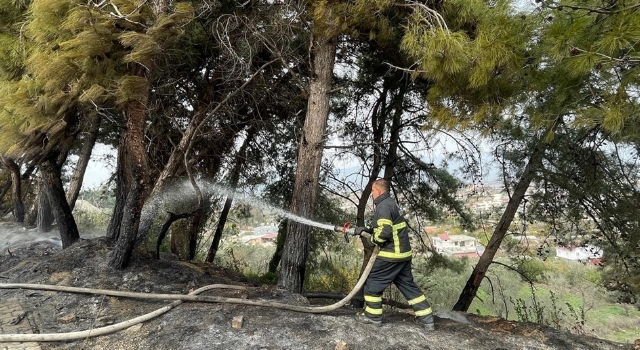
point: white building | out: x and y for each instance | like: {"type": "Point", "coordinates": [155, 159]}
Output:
{"type": "Point", "coordinates": [457, 245]}
{"type": "Point", "coordinates": [265, 229]}
{"type": "Point", "coordinates": [583, 254]}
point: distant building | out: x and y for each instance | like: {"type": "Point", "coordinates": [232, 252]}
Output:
{"type": "Point", "coordinates": [457, 245]}
{"type": "Point", "coordinates": [588, 253]}
{"type": "Point", "coordinates": [260, 239]}
{"type": "Point", "coordinates": [262, 234]}
{"type": "Point", "coordinates": [265, 229]}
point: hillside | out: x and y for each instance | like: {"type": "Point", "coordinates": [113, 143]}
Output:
{"type": "Point", "coordinates": [209, 325]}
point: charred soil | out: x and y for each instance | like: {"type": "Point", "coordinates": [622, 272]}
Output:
{"type": "Point", "coordinates": [225, 326]}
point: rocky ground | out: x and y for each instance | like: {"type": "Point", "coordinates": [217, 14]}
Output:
{"type": "Point", "coordinates": [211, 326]}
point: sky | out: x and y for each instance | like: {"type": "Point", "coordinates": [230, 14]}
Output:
{"type": "Point", "coordinates": [101, 166]}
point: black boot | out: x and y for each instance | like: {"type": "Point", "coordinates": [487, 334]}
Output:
{"type": "Point", "coordinates": [427, 323]}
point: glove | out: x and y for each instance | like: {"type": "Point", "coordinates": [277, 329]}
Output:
{"type": "Point", "coordinates": [357, 231]}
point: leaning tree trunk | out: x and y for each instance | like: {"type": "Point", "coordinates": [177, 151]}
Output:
{"type": "Point", "coordinates": [241, 158]}
{"type": "Point", "coordinates": [18, 206]}
{"type": "Point", "coordinates": [134, 165]}
{"type": "Point", "coordinates": [83, 161]}
{"type": "Point", "coordinates": [277, 255]}
{"type": "Point", "coordinates": [152, 208]}
{"type": "Point", "coordinates": [296, 247]}
{"type": "Point", "coordinates": [480, 270]}
{"type": "Point", "coordinates": [50, 173]}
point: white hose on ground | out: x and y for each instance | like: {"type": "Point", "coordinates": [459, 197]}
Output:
{"type": "Point", "coordinates": [179, 298]}
{"type": "Point", "coordinates": [98, 331]}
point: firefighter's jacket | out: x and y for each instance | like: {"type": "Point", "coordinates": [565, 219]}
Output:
{"type": "Point", "coordinates": [390, 230]}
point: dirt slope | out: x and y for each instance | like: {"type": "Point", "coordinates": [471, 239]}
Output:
{"type": "Point", "coordinates": [209, 326]}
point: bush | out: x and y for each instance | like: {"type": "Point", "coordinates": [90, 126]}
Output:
{"type": "Point", "coordinates": [91, 220]}
{"type": "Point", "coordinates": [533, 269]}
{"type": "Point", "coordinates": [441, 278]}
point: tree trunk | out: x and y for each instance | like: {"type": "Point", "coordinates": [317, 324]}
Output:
{"type": "Point", "coordinates": [176, 158]}
{"type": "Point", "coordinates": [277, 255]}
{"type": "Point", "coordinates": [50, 173]}
{"type": "Point", "coordinates": [44, 217]}
{"type": "Point", "coordinates": [18, 206]}
{"type": "Point", "coordinates": [32, 215]}
{"type": "Point", "coordinates": [396, 128]}
{"type": "Point", "coordinates": [113, 230]}
{"type": "Point", "coordinates": [134, 165]}
{"type": "Point", "coordinates": [473, 283]}
{"type": "Point", "coordinates": [241, 159]}
{"type": "Point", "coordinates": [296, 247]}
{"type": "Point", "coordinates": [203, 111]}
{"type": "Point", "coordinates": [165, 228]}
{"type": "Point", "coordinates": [215, 242]}
{"type": "Point", "coordinates": [83, 161]}
{"type": "Point", "coordinates": [378, 122]}
{"type": "Point", "coordinates": [196, 223]}
{"type": "Point", "coordinates": [5, 189]}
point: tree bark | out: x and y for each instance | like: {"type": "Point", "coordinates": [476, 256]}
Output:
{"type": "Point", "coordinates": [50, 173]}
{"type": "Point", "coordinates": [16, 183]}
{"type": "Point", "coordinates": [44, 217]}
{"type": "Point", "coordinates": [134, 165]}
{"type": "Point", "coordinates": [296, 247]}
{"type": "Point", "coordinates": [196, 223]}
{"type": "Point", "coordinates": [113, 230]}
{"type": "Point", "coordinates": [277, 255]}
{"type": "Point", "coordinates": [473, 283]}
{"type": "Point", "coordinates": [32, 215]}
{"type": "Point", "coordinates": [5, 189]}
{"type": "Point", "coordinates": [83, 161]}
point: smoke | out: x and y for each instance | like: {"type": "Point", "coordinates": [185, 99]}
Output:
{"type": "Point", "coordinates": [13, 236]}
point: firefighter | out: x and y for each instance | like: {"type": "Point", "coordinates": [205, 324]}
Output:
{"type": "Point", "coordinates": [393, 263]}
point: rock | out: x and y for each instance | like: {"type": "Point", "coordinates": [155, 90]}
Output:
{"type": "Point", "coordinates": [68, 318]}
{"type": "Point", "coordinates": [342, 346]}
{"type": "Point", "coordinates": [105, 321]}
{"type": "Point", "coordinates": [134, 328]}
{"type": "Point", "coordinates": [236, 322]}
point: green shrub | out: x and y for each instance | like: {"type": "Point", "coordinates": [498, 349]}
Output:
{"type": "Point", "coordinates": [533, 269]}
{"type": "Point", "coordinates": [441, 278]}
{"type": "Point", "coordinates": [92, 220]}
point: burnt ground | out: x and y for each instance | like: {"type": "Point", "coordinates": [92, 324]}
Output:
{"type": "Point", "coordinates": [209, 326]}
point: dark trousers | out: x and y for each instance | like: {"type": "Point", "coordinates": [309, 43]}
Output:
{"type": "Point", "coordinates": [382, 274]}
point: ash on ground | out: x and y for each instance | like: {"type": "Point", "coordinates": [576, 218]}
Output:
{"type": "Point", "coordinates": [227, 326]}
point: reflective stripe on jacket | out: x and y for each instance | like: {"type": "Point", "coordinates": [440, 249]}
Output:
{"type": "Point", "coordinates": [390, 230]}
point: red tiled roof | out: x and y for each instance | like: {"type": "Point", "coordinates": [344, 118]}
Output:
{"type": "Point", "coordinates": [444, 237]}
{"type": "Point", "coordinates": [270, 235]}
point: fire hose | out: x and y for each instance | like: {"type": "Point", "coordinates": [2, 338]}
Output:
{"type": "Point", "coordinates": [179, 298]}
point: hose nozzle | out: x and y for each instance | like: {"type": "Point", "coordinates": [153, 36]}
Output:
{"type": "Point", "coordinates": [346, 229]}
